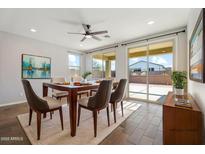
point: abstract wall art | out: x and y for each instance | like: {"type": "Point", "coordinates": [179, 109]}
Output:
{"type": "Point", "coordinates": [36, 67]}
{"type": "Point", "coordinates": [197, 50]}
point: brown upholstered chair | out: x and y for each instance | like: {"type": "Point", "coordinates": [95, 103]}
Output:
{"type": "Point", "coordinates": [93, 90]}
{"type": "Point", "coordinates": [98, 102]}
{"type": "Point", "coordinates": [117, 96]}
{"type": "Point", "coordinates": [56, 93]}
{"type": "Point", "coordinates": [40, 105]}
{"type": "Point", "coordinates": [114, 86]}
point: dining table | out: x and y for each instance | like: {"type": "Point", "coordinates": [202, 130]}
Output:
{"type": "Point", "coordinates": [71, 99]}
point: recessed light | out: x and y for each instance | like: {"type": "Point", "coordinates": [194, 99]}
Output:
{"type": "Point", "coordinates": [150, 22]}
{"type": "Point", "coordinates": [81, 45]}
{"type": "Point", "coordinates": [33, 30]}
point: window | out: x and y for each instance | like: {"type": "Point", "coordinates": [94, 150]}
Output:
{"type": "Point", "coordinates": [74, 64]}
{"type": "Point", "coordinates": [113, 69]}
{"type": "Point", "coordinates": [151, 69]}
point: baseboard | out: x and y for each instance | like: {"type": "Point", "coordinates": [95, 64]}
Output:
{"type": "Point", "coordinates": [12, 103]}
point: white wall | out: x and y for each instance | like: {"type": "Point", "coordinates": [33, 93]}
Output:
{"type": "Point", "coordinates": [11, 48]}
{"type": "Point", "coordinates": [196, 89]}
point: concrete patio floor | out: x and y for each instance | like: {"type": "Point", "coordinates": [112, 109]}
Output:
{"type": "Point", "coordinates": [156, 91]}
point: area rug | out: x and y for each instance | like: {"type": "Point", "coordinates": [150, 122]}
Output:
{"type": "Point", "coordinates": [51, 132]}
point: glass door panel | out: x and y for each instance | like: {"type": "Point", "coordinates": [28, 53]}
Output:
{"type": "Point", "coordinates": [109, 65]}
{"type": "Point", "coordinates": [103, 65]}
{"type": "Point", "coordinates": [138, 72]}
{"type": "Point", "coordinates": [97, 66]}
{"type": "Point", "coordinates": [150, 69]}
{"type": "Point", "coordinates": [160, 64]}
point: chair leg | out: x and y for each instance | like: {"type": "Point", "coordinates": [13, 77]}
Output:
{"type": "Point", "coordinates": [51, 115]}
{"type": "Point", "coordinates": [95, 122]}
{"type": "Point", "coordinates": [44, 115]}
{"type": "Point", "coordinates": [87, 94]}
{"type": "Point", "coordinates": [79, 111]}
{"type": "Point", "coordinates": [38, 125]}
{"type": "Point", "coordinates": [122, 108]}
{"type": "Point", "coordinates": [114, 111]}
{"type": "Point", "coordinates": [30, 116]}
{"type": "Point", "coordinates": [108, 116]}
{"type": "Point", "coordinates": [61, 117]}
{"type": "Point", "coordinates": [111, 107]}
{"type": "Point", "coordinates": [91, 93]}
{"type": "Point", "coordinates": [79, 96]}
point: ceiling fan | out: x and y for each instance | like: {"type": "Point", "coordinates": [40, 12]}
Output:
{"type": "Point", "coordinates": [89, 34]}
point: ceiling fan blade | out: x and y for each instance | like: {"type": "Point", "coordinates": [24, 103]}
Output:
{"type": "Point", "coordinates": [96, 38]}
{"type": "Point", "coordinates": [107, 36]}
{"type": "Point", "coordinates": [83, 39]}
{"type": "Point", "coordinates": [99, 32]}
{"type": "Point", "coordinates": [86, 27]}
{"type": "Point", "coordinates": [75, 33]}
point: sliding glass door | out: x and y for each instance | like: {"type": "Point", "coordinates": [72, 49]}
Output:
{"type": "Point", "coordinates": [160, 57]}
{"type": "Point", "coordinates": [150, 71]}
{"type": "Point", "coordinates": [138, 72]}
{"type": "Point", "coordinates": [103, 65]}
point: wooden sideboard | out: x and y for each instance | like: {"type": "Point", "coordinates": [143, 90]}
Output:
{"type": "Point", "coordinates": [181, 125]}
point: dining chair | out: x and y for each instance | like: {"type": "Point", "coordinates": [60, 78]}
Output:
{"type": "Point", "coordinates": [114, 86]}
{"type": "Point", "coordinates": [97, 102]}
{"type": "Point", "coordinates": [117, 96]}
{"type": "Point", "coordinates": [56, 93]}
{"type": "Point", "coordinates": [40, 106]}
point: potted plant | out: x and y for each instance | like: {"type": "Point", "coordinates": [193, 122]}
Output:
{"type": "Point", "coordinates": [179, 79]}
{"type": "Point", "coordinates": [85, 75]}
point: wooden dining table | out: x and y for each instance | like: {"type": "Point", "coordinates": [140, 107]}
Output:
{"type": "Point", "coordinates": [71, 99]}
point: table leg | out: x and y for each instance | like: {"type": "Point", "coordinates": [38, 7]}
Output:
{"type": "Point", "coordinates": [72, 99]}
{"type": "Point", "coordinates": [45, 93]}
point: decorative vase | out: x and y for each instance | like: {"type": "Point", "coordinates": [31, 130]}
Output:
{"type": "Point", "coordinates": [179, 92]}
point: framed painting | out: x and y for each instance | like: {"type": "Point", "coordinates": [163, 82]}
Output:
{"type": "Point", "coordinates": [35, 67]}
{"type": "Point", "coordinates": [197, 50]}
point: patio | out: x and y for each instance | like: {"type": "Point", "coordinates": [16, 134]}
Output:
{"type": "Point", "coordinates": [156, 91]}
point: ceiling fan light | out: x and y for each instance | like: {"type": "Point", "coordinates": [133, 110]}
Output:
{"type": "Point", "coordinates": [33, 30]}
{"type": "Point", "coordinates": [88, 36]}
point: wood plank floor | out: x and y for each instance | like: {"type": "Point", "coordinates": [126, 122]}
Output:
{"type": "Point", "coordinates": [144, 126]}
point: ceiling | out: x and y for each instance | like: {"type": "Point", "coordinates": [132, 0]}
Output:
{"type": "Point", "coordinates": [52, 25]}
